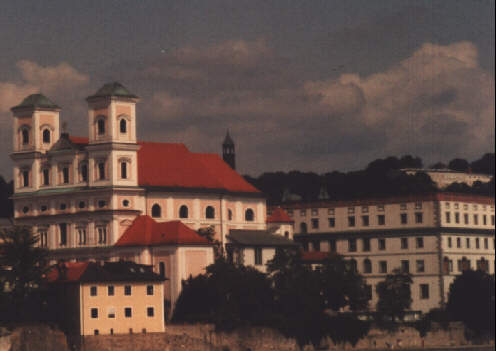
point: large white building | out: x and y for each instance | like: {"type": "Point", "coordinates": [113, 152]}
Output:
{"type": "Point", "coordinates": [109, 196]}
{"type": "Point", "coordinates": [434, 237]}
{"type": "Point", "coordinates": [445, 177]}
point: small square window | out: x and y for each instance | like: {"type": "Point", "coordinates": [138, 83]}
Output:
{"type": "Point", "coordinates": [150, 311]}
{"type": "Point", "coordinates": [365, 209]}
{"type": "Point", "coordinates": [303, 213]}
{"type": "Point", "coordinates": [127, 290]}
{"type": "Point", "coordinates": [315, 223]}
{"type": "Point", "coordinates": [111, 312]}
{"type": "Point", "coordinates": [450, 242]}
{"type": "Point", "coordinates": [424, 291]}
{"type": "Point", "coordinates": [352, 246]}
{"type": "Point", "coordinates": [404, 218]}
{"type": "Point", "coordinates": [94, 313]}
{"type": "Point", "coordinates": [258, 256]}
{"type": "Point", "coordinates": [128, 312]}
{"type": "Point", "coordinates": [366, 244]}
{"type": "Point", "coordinates": [382, 244]}
{"type": "Point", "coordinates": [420, 266]}
{"type": "Point", "coordinates": [110, 290]}
{"type": "Point", "coordinates": [418, 217]}
{"type": "Point", "coordinates": [380, 208]}
{"type": "Point", "coordinates": [382, 266]}
{"type": "Point", "coordinates": [332, 222]}
{"type": "Point", "coordinates": [351, 210]}
{"type": "Point", "coordinates": [405, 266]}
{"type": "Point", "coordinates": [381, 219]}
{"type": "Point", "coordinates": [149, 289]}
{"type": "Point", "coordinates": [315, 212]}
{"type": "Point", "coordinates": [93, 291]}
{"type": "Point", "coordinates": [404, 243]}
{"type": "Point", "coordinates": [418, 205]}
{"type": "Point", "coordinates": [420, 242]}
{"type": "Point", "coordinates": [330, 211]}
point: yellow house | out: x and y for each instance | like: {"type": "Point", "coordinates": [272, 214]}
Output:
{"type": "Point", "coordinates": [110, 298]}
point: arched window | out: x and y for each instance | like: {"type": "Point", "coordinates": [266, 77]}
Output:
{"type": "Point", "coordinates": [161, 269]}
{"type": "Point", "coordinates": [101, 170]}
{"type": "Point", "coordinates": [25, 136]}
{"type": "Point", "coordinates": [210, 212]}
{"type": "Point", "coordinates": [183, 211]}
{"type": "Point", "coordinates": [367, 266]}
{"type": "Point", "coordinates": [84, 172]}
{"type": "Point", "coordinates": [249, 215]}
{"type": "Point", "coordinates": [123, 126]}
{"type": "Point", "coordinates": [123, 169]}
{"type": "Point", "coordinates": [156, 211]}
{"type": "Point", "coordinates": [46, 136]}
{"type": "Point", "coordinates": [303, 228]}
{"type": "Point", "coordinates": [229, 215]}
{"type": "Point", "coordinates": [101, 126]}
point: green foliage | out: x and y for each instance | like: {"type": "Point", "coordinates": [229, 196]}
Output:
{"type": "Point", "coordinates": [394, 295]}
{"type": "Point", "coordinates": [22, 266]}
{"type": "Point", "coordinates": [227, 295]}
{"type": "Point", "coordinates": [293, 298]}
{"type": "Point", "coordinates": [342, 286]}
{"type": "Point", "coordinates": [6, 190]}
{"type": "Point", "coordinates": [471, 300]}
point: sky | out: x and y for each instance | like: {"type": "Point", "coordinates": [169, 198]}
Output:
{"type": "Point", "coordinates": [301, 85]}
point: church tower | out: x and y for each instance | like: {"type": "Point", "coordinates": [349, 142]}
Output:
{"type": "Point", "coordinates": [112, 145]}
{"type": "Point", "coordinates": [36, 129]}
{"type": "Point", "coordinates": [228, 154]}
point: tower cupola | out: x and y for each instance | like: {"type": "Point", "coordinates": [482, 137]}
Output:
{"type": "Point", "coordinates": [228, 152]}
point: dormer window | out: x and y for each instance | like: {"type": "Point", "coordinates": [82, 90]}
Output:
{"type": "Point", "coordinates": [101, 126]}
{"type": "Point", "coordinates": [46, 136]}
{"type": "Point", "coordinates": [123, 126]}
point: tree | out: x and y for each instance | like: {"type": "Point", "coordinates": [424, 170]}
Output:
{"type": "Point", "coordinates": [22, 264]}
{"type": "Point", "coordinates": [459, 164]}
{"type": "Point", "coordinates": [394, 295]}
{"type": "Point", "coordinates": [471, 300]}
{"type": "Point", "coordinates": [484, 165]}
{"type": "Point", "coordinates": [228, 295]}
{"type": "Point", "coordinates": [6, 190]}
{"type": "Point", "coordinates": [342, 286]}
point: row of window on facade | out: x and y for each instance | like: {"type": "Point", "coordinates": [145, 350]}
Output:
{"type": "Point", "coordinates": [365, 221]}
{"type": "Point", "coordinates": [46, 135]}
{"type": "Point", "coordinates": [467, 243]}
{"type": "Point", "coordinates": [80, 237]}
{"type": "Point", "coordinates": [350, 210]}
{"type": "Point", "coordinates": [466, 217]}
{"type": "Point", "coordinates": [64, 173]}
{"type": "Point", "coordinates": [365, 244]}
{"type": "Point", "coordinates": [128, 312]}
{"type": "Point", "coordinates": [209, 213]}
{"type": "Point", "coordinates": [464, 264]}
{"type": "Point", "coordinates": [62, 206]}
{"type": "Point", "coordinates": [126, 291]}
{"type": "Point", "coordinates": [475, 207]}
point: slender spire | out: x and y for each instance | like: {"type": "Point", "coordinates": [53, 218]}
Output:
{"type": "Point", "coordinates": [228, 153]}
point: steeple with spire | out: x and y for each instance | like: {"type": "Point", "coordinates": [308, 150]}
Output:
{"type": "Point", "coordinates": [228, 154]}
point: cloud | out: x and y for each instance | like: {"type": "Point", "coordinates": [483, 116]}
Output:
{"type": "Point", "coordinates": [437, 102]}
{"type": "Point", "coordinates": [62, 83]}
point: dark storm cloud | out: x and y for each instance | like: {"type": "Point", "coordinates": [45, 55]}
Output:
{"type": "Point", "coordinates": [318, 85]}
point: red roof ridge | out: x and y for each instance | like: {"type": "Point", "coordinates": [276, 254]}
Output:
{"type": "Point", "coordinates": [279, 216]}
{"type": "Point", "coordinates": [145, 231]}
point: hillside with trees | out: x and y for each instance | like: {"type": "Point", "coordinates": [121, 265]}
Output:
{"type": "Point", "coordinates": [381, 178]}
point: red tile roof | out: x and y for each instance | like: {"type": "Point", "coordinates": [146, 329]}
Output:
{"type": "Point", "coordinates": [279, 216]}
{"type": "Point", "coordinates": [174, 166]}
{"type": "Point", "coordinates": [145, 231]}
{"type": "Point", "coordinates": [73, 271]}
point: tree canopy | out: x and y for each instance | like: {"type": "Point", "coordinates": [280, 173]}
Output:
{"type": "Point", "coordinates": [471, 300]}
{"type": "Point", "coordinates": [395, 295]}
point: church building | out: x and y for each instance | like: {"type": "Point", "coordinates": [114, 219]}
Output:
{"type": "Point", "coordinates": [108, 196]}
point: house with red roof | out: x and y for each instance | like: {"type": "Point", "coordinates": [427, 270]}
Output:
{"type": "Point", "coordinates": [106, 299]}
{"type": "Point", "coordinates": [108, 196]}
